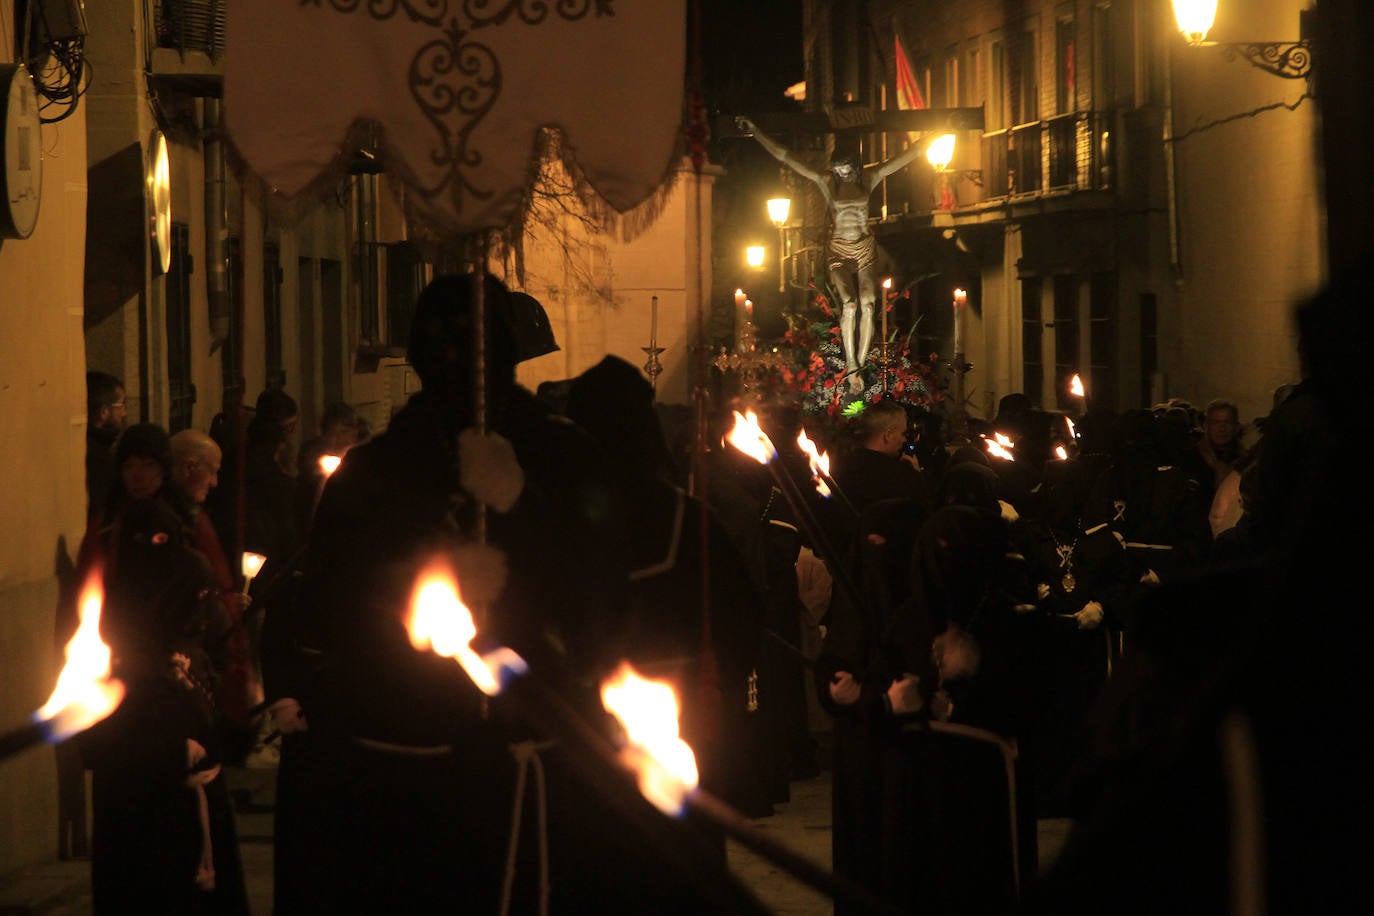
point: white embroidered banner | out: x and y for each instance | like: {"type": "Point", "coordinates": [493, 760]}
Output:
{"type": "Point", "coordinates": [459, 89]}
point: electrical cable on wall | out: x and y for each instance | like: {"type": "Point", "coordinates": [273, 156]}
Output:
{"type": "Point", "coordinates": [61, 73]}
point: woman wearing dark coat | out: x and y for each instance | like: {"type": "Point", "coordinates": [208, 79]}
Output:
{"type": "Point", "coordinates": [164, 838]}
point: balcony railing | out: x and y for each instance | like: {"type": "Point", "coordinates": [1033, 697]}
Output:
{"type": "Point", "coordinates": [188, 50]}
{"type": "Point", "coordinates": [1071, 152]}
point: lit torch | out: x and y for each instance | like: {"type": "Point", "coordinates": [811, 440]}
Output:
{"type": "Point", "coordinates": [648, 712]}
{"type": "Point", "coordinates": [440, 621]}
{"type": "Point", "coordinates": [820, 471]}
{"type": "Point", "coordinates": [85, 692]}
{"type": "Point", "coordinates": [749, 438]}
{"type": "Point", "coordinates": [1077, 389]}
{"type": "Point", "coordinates": [1061, 453]}
{"type": "Point", "coordinates": [1000, 446]}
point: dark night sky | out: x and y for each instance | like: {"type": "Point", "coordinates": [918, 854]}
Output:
{"type": "Point", "coordinates": [751, 51]}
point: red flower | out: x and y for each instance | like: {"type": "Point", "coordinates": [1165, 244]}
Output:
{"type": "Point", "coordinates": [830, 383]}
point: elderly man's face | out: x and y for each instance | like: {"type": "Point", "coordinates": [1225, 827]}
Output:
{"type": "Point", "coordinates": [1221, 426]}
{"type": "Point", "coordinates": [198, 476]}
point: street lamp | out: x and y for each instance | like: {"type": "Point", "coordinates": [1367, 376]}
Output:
{"type": "Point", "coordinates": [778, 208]}
{"type": "Point", "coordinates": [1288, 59]}
{"type": "Point", "coordinates": [940, 152]}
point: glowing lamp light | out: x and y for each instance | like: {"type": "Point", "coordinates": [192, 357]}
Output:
{"type": "Point", "coordinates": [85, 692]}
{"type": "Point", "coordinates": [778, 209]}
{"type": "Point", "coordinates": [1076, 386]}
{"type": "Point", "coordinates": [819, 461]}
{"type": "Point", "coordinates": [753, 255]}
{"type": "Point", "coordinates": [887, 283]}
{"type": "Point", "coordinates": [749, 438]}
{"type": "Point", "coordinates": [1195, 18]}
{"type": "Point", "coordinates": [648, 712]}
{"type": "Point", "coordinates": [329, 464]}
{"type": "Point", "coordinates": [439, 621]}
{"type": "Point", "coordinates": [940, 152]}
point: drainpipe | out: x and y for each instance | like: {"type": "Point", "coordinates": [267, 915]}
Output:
{"type": "Point", "coordinates": [1170, 181]}
{"type": "Point", "coordinates": [216, 227]}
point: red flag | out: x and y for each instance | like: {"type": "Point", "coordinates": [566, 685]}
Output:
{"type": "Point", "coordinates": [908, 92]}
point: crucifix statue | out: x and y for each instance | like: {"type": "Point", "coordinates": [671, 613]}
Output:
{"type": "Point", "coordinates": [852, 250]}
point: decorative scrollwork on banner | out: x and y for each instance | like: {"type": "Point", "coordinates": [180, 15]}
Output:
{"type": "Point", "coordinates": [430, 12]}
{"type": "Point", "coordinates": [532, 12]}
{"type": "Point", "coordinates": [456, 81]}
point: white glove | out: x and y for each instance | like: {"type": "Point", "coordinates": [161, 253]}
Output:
{"type": "Point", "coordinates": [956, 654]}
{"type": "Point", "coordinates": [844, 690]}
{"type": "Point", "coordinates": [1090, 616]}
{"type": "Point", "coordinates": [1149, 578]}
{"type": "Point", "coordinates": [905, 695]}
{"type": "Point", "coordinates": [288, 716]}
{"type": "Point", "coordinates": [489, 469]}
{"type": "Point", "coordinates": [1042, 591]}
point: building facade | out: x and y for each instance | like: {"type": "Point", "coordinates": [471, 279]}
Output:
{"type": "Point", "coordinates": [1134, 210]}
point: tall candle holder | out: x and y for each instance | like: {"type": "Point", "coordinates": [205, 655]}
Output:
{"type": "Point", "coordinates": [751, 364]}
{"type": "Point", "coordinates": [653, 367]}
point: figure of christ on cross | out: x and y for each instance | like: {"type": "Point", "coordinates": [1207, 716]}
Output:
{"type": "Point", "coordinates": [852, 252]}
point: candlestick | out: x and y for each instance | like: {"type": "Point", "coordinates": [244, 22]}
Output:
{"type": "Point", "coordinates": [960, 430]}
{"type": "Point", "coordinates": [653, 322]}
{"type": "Point", "coordinates": [739, 320]}
{"type": "Point", "coordinates": [960, 297]}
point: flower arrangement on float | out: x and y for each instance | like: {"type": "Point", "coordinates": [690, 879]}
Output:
{"type": "Point", "coordinates": [818, 371]}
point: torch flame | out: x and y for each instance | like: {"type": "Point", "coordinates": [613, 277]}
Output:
{"type": "Point", "coordinates": [329, 464]}
{"type": "Point", "coordinates": [440, 621]}
{"type": "Point", "coordinates": [1061, 453]}
{"type": "Point", "coordinates": [1073, 430]}
{"type": "Point", "coordinates": [998, 447]}
{"type": "Point", "coordinates": [749, 437]}
{"type": "Point", "coordinates": [1076, 386]}
{"type": "Point", "coordinates": [820, 462]}
{"type": "Point", "coordinates": [85, 692]}
{"type": "Point", "coordinates": [648, 711]}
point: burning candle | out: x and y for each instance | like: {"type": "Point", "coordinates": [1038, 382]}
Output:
{"type": "Point", "coordinates": [740, 299]}
{"type": "Point", "coordinates": [648, 712]}
{"type": "Point", "coordinates": [887, 288]}
{"type": "Point", "coordinates": [653, 322]}
{"type": "Point", "coordinates": [252, 565]}
{"type": "Point", "coordinates": [1061, 453]}
{"type": "Point", "coordinates": [748, 309]}
{"type": "Point", "coordinates": [960, 297]}
{"type": "Point", "coordinates": [329, 464]}
{"type": "Point", "coordinates": [85, 693]}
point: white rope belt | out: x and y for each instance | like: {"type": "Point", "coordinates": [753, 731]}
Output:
{"type": "Point", "coordinates": [526, 754]}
